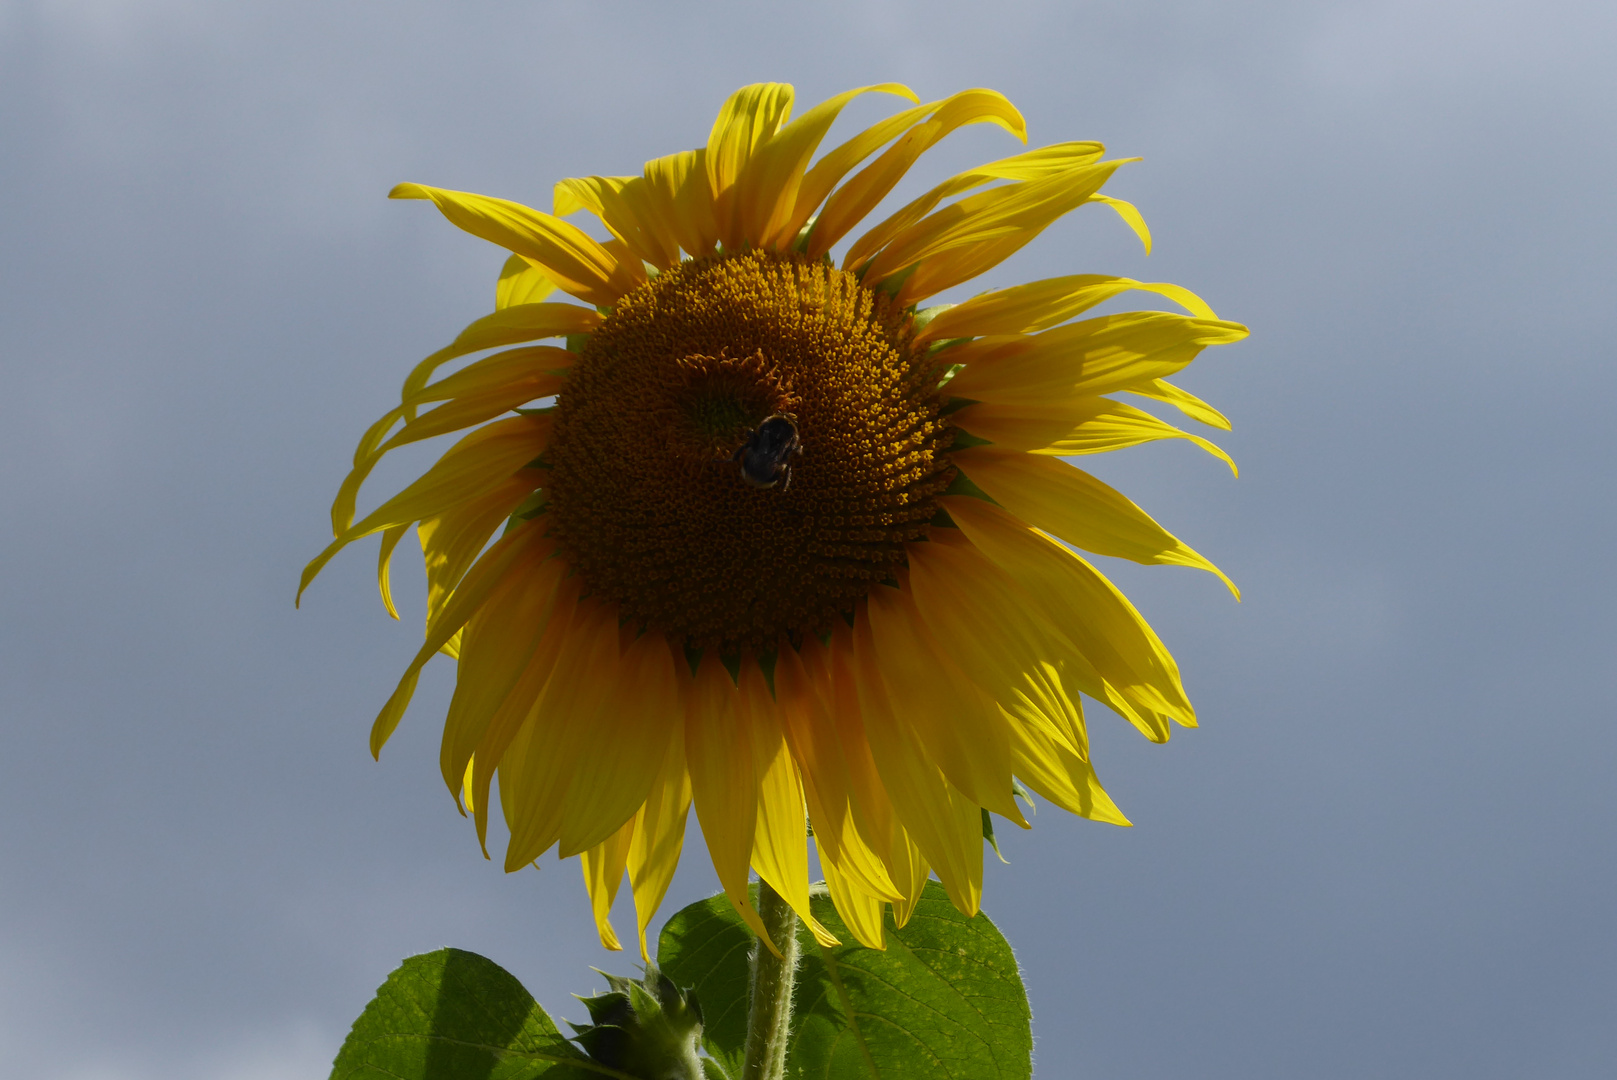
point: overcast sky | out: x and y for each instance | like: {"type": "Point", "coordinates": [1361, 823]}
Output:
{"type": "Point", "coordinates": [1391, 849]}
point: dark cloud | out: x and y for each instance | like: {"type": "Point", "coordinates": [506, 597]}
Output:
{"type": "Point", "coordinates": [1389, 853]}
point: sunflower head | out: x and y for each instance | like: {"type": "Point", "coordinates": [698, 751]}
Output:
{"type": "Point", "coordinates": [774, 539]}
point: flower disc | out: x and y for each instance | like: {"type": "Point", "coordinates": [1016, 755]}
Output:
{"type": "Point", "coordinates": [648, 505]}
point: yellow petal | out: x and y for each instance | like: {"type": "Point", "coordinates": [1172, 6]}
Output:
{"type": "Point", "coordinates": [567, 255]}
{"type": "Point", "coordinates": [944, 824]}
{"type": "Point", "coordinates": [989, 215]}
{"type": "Point", "coordinates": [1039, 305]}
{"type": "Point", "coordinates": [451, 540]}
{"type": "Point", "coordinates": [959, 591]}
{"type": "Point", "coordinates": [509, 326]}
{"type": "Point", "coordinates": [507, 730]}
{"type": "Point", "coordinates": [910, 872]}
{"type": "Point", "coordinates": [476, 465]}
{"type": "Point", "coordinates": [384, 560]}
{"type": "Point", "coordinates": [724, 784]}
{"type": "Point", "coordinates": [780, 838]}
{"type": "Point", "coordinates": [680, 196]}
{"type": "Point", "coordinates": [962, 731]}
{"type": "Point", "coordinates": [603, 873]}
{"type": "Point", "coordinates": [1075, 506]}
{"type": "Point", "coordinates": [770, 181]}
{"type": "Point", "coordinates": [860, 195]}
{"type": "Point", "coordinates": [949, 268]}
{"type": "Point", "coordinates": [564, 724]}
{"type": "Point", "coordinates": [748, 119]}
{"type": "Point", "coordinates": [859, 910]}
{"type": "Point", "coordinates": [1054, 771]}
{"type": "Point", "coordinates": [624, 205]}
{"type": "Point", "coordinates": [1076, 597]}
{"type": "Point", "coordinates": [629, 743]}
{"type": "Point", "coordinates": [1096, 356]}
{"type": "Point", "coordinates": [836, 163]}
{"type": "Point", "coordinates": [1131, 217]}
{"type": "Point", "coordinates": [1084, 425]}
{"type": "Point", "coordinates": [521, 282]}
{"type": "Point", "coordinates": [827, 778]}
{"type": "Point", "coordinates": [517, 546]}
{"type": "Point", "coordinates": [497, 645]}
{"type": "Point", "coordinates": [1183, 400]}
{"type": "Point", "coordinates": [660, 832]}
{"type": "Point", "coordinates": [1028, 165]}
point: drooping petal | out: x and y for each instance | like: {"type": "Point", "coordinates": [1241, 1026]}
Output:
{"type": "Point", "coordinates": [1069, 503]}
{"type": "Point", "coordinates": [861, 912]}
{"type": "Point", "coordinates": [498, 643]}
{"type": "Point", "coordinates": [1051, 769]}
{"type": "Point", "coordinates": [477, 464]}
{"type": "Point", "coordinates": [450, 541]}
{"type": "Point", "coordinates": [945, 825]}
{"type": "Point", "coordinates": [828, 783]}
{"type": "Point", "coordinates": [384, 562]}
{"type": "Point", "coordinates": [780, 838]}
{"type": "Point", "coordinates": [567, 255]}
{"type": "Point", "coordinates": [629, 743]}
{"type": "Point", "coordinates": [958, 591]}
{"type": "Point", "coordinates": [564, 723]}
{"type": "Point", "coordinates": [1130, 215]}
{"type": "Point", "coordinates": [660, 831]}
{"type": "Point", "coordinates": [504, 731]}
{"type": "Point", "coordinates": [518, 545]}
{"type": "Point", "coordinates": [603, 867]}
{"type": "Point", "coordinates": [724, 782]}
{"type": "Point", "coordinates": [959, 726]}
{"type": "Point", "coordinates": [1079, 600]}
{"type": "Point", "coordinates": [509, 326]}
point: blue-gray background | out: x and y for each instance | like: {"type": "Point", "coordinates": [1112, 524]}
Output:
{"type": "Point", "coordinates": [1389, 850]}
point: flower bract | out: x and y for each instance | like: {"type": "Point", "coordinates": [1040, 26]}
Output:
{"type": "Point", "coordinates": [751, 530]}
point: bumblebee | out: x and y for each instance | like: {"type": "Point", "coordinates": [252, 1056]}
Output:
{"type": "Point", "coordinates": [766, 457]}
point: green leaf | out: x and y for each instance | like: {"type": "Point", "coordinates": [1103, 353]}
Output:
{"type": "Point", "coordinates": [454, 1015]}
{"type": "Point", "coordinates": [705, 947]}
{"type": "Point", "coordinates": [945, 998]}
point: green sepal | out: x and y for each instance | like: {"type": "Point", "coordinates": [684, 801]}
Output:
{"type": "Point", "coordinates": [988, 834]}
{"type": "Point", "coordinates": [767, 659]}
{"type": "Point", "coordinates": [576, 342]}
{"type": "Point", "coordinates": [948, 343]}
{"type": "Point", "coordinates": [962, 485]}
{"type": "Point", "coordinates": [964, 438]}
{"type": "Point", "coordinates": [926, 315]}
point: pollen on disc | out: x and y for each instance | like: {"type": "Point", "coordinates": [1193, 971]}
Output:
{"type": "Point", "coordinates": [645, 499]}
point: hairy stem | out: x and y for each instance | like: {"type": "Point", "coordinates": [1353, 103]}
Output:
{"type": "Point", "coordinates": [769, 1010]}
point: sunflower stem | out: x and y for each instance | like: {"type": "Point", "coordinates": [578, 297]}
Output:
{"type": "Point", "coordinates": [769, 1009]}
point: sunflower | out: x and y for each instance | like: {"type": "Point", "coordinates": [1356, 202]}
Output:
{"type": "Point", "coordinates": [777, 541]}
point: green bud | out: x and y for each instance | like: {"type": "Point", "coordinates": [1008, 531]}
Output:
{"type": "Point", "coordinates": [647, 1027]}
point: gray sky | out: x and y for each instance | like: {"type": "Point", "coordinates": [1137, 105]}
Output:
{"type": "Point", "coordinates": [1388, 852]}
